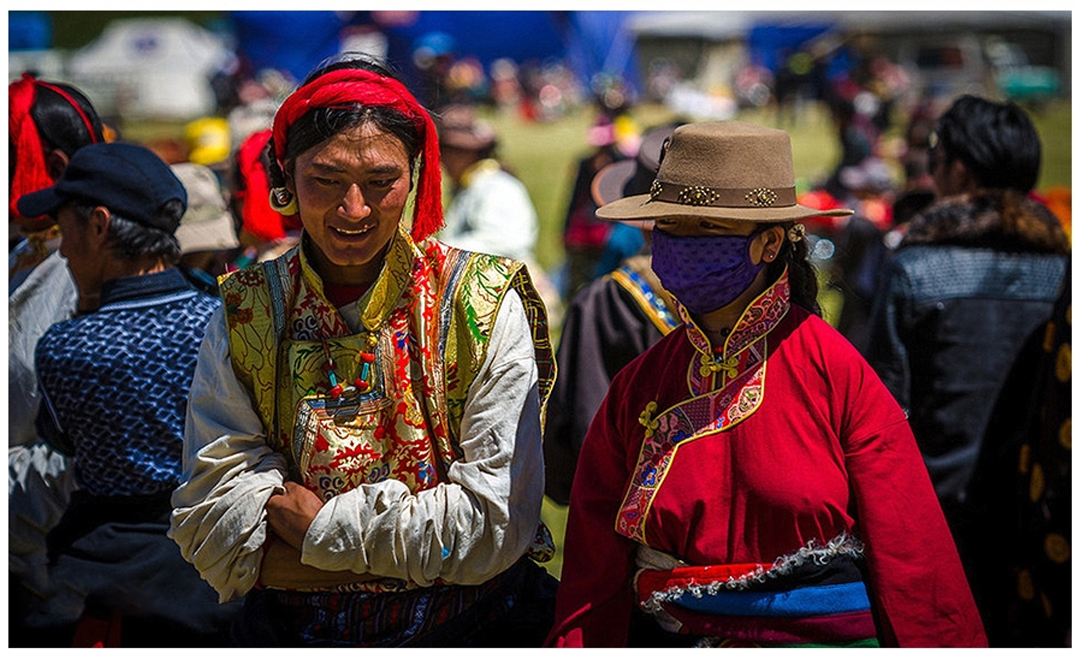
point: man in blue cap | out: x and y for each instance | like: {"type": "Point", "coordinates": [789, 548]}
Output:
{"type": "Point", "coordinates": [114, 385]}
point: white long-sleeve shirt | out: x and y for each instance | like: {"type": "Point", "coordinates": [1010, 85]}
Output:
{"type": "Point", "coordinates": [465, 530]}
{"type": "Point", "coordinates": [492, 213]}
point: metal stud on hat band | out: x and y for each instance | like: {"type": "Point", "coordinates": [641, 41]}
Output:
{"type": "Point", "coordinates": [701, 195]}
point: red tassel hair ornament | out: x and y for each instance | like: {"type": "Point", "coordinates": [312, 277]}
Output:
{"type": "Point", "coordinates": [31, 174]}
{"type": "Point", "coordinates": [259, 218]}
{"type": "Point", "coordinates": [342, 87]}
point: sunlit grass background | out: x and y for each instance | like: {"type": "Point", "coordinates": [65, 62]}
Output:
{"type": "Point", "coordinates": [544, 155]}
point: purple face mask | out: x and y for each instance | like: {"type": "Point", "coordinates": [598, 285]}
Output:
{"type": "Point", "coordinates": [704, 273]}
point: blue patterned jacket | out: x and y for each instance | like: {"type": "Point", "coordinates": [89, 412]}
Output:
{"type": "Point", "coordinates": [115, 383]}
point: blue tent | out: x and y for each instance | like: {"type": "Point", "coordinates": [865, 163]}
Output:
{"type": "Point", "coordinates": [290, 41]}
{"type": "Point", "coordinates": [768, 42]}
{"type": "Point", "coordinates": [29, 30]}
{"type": "Point", "coordinates": [589, 41]}
{"type": "Point", "coordinates": [486, 35]}
{"type": "Point", "coordinates": [601, 42]}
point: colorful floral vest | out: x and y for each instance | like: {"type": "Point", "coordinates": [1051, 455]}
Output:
{"type": "Point", "coordinates": [403, 378]}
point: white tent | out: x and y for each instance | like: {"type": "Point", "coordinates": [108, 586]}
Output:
{"type": "Point", "coordinates": [156, 68]}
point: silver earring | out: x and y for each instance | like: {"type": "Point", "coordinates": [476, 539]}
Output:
{"type": "Point", "coordinates": [283, 201]}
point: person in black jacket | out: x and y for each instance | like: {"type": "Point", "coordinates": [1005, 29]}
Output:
{"type": "Point", "coordinates": [975, 274]}
{"type": "Point", "coordinates": [608, 323]}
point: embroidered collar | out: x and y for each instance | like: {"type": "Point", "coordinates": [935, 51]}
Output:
{"type": "Point", "coordinates": [377, 303]}
{"type": "Point", "coordinates": [723, 392]}
{"type": "Point", "coordinates": [757, 320]}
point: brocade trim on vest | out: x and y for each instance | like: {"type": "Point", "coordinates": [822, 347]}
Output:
{"type": "Point", "coordinates": [723, 391]}
{"type": "Point", "coordinates": [647, 299]}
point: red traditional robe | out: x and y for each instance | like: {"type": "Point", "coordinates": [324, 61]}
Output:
{"type": "Point", "coordinates": [784, 438]}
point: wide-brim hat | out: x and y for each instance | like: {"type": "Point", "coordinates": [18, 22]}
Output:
{"type": "Point", "coordinates": [728, 170]}
{"type": "Point", "coordinates": [460, 128]}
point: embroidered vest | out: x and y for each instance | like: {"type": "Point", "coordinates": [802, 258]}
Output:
{"type": "Point", "coordinates": [427, 321]}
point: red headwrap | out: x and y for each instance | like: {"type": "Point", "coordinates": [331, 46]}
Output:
{"type": "Point", "coordinates": [259, 218]}
{"type": "Point", "coordinates": [345, 86]}
{"type": "Point", "coordinates": [31, 174]}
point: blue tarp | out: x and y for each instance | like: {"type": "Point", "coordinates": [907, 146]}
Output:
{"type": "Point", "coordinates": [29, 30]}
{"type": "Point", "coordinates": [290, 41]}
{"type": "Point", "coordinates": [486, 35]}
{"type": "Point", "coordinates": [768, 44]}
{"type": "Point", "coordinates": [601, 42]}
{"type": "Point", "coordinates": [590, 42]}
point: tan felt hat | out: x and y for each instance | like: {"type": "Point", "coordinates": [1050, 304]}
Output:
{"type": "Point", "coordinates": [207, 224]}
{"type": "Point", "coordinates": [728, 170]}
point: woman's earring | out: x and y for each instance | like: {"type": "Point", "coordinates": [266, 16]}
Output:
{"type": "Point", "coordinates": [283, 201]}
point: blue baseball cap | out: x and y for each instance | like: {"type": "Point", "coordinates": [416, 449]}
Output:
{"type": "Point", "coordinates": [129, 180]}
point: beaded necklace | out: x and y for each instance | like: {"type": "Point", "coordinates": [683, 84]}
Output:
{"type": "Point", "coordinates": [362, 384]}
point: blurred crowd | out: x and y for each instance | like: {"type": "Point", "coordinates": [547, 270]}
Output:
{"type": "Point", "coordinates": [899, 189]}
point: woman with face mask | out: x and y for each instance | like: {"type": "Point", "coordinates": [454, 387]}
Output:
{"type": "Point", "coordinates": [748, 480]}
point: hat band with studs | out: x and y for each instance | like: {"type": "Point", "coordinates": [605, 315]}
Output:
{"type": "Point", "coordinates": [701, 195]}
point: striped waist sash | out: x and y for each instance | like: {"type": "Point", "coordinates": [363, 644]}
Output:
{"type": "Point", "coordinates": [816, 596]}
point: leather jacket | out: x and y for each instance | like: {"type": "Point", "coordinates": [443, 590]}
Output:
{"type": "Point", "coordinates": [973, 278]}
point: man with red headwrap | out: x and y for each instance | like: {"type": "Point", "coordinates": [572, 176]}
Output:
{"type": "Point", "coordinates": [363, 446]}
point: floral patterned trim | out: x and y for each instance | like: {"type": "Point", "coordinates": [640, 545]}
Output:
{"type": "Point", "coordinates": [690, 420]}
{"type": "Point", "coordinates": [762, 314]}
{"type": "Point", "coordinates": [725, 391]}
{"type": "Point", "coordinates": [648, 300]}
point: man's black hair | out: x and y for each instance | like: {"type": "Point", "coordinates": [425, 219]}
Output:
{"type": "Point", "coordinates": [996, 142]}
